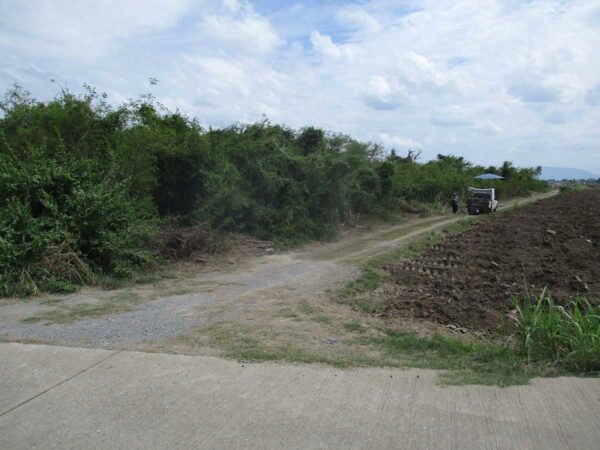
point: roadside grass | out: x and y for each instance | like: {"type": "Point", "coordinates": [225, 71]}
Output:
{"type": "Point", "coordinates": [313, 312]}
{"type": "Point", "coordinates": [247, 344]}
{"type": "Point", "coordinates": [51, 301]}
{"type": "Point", "coordinates": [305, 307]}
{"type": "Point", "coordinates": [566, 336]}
{"type": "Point", "coordinates": [151, 277]}
{"type": "Point", "coordinates": [288, 313]}
{"type": "Point", "coordinates": [462, 363]}
{"type": "Point", "coordinates": [481, 362]}
{"type": "Point", "coordinates": [148, 279]}
{"type": "Point", "coordinates": [354, 326]}
{"type": "Point", "coordinates": [573, 187]}
{"type": "Point", "coordinates": [321, 318]}
{"type": "Point", "coordinates": [119, 303]}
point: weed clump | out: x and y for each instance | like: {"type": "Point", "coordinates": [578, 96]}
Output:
{"type": "Point", "coordinates": [567, 336]}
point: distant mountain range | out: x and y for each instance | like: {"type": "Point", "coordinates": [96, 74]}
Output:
{"type": "Point", "coordinates": [566, 173]}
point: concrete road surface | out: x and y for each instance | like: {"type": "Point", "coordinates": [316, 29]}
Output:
{"type": "Point", "coordinates": [62, 397]}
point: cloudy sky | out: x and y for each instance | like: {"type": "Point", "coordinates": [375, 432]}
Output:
{"type": "Point", "coordinates": [486, 79]}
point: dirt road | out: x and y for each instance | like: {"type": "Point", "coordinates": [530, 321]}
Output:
{"type": "Point", "coordinates": [263, 294]}
{"type": "Point", "coordinates": [58, 397]}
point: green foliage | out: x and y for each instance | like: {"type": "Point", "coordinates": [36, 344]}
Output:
{"type": "Point", "coordinates": [84, 186]}
{"type": "Point", "coordinates": [435, 181]}
{"type": "Point", "coordinates": [64, 214]}
{"type": "Point", "coordinates": [566, 336]}
{"type": "Point", "coordinates": [572, 187]}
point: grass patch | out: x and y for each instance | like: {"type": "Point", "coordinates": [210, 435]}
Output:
{"type": "Point", "coordinates": [315, 313]}
{"type": "Point", "coordinates": [148, 279]}
{"type": "Point", "coordinates": [110, 283]}
{"type": "Point", "coordinates": [306, 308]}
{"type": "Point", "coordinates": [242, 343]}
{"type": "Point", "coordinates": [466, 363]}
{"type": "Point", "coordinates": [354, 326]}
{"type": "Point", "coordinates": [321, 318]}
{"type": "Point", "coordinates": [117, 304]}
{"type": "Point", "coordinates": [564, 336]}
{"type": "Point", "coordinates": [189, 290]}
{"type": "Point", "coordinates": [483, 363]}
{"type": "Point", "coordinates": [572, 187]}
{"type": "Point", "coordinates": [51, 301]}
{"type": "Point", "coordinates": [287, 313]}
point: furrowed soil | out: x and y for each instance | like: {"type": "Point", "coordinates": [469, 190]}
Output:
{"type": "Point", "coordinates": [468, 279]}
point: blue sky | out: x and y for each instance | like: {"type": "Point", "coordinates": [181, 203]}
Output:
{"type": "Point", "coordinates": [486, 79]}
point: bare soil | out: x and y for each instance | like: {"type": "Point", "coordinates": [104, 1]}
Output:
{"type": "Point", "coordinates": [468, 280]}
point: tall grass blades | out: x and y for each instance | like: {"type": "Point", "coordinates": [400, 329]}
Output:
{"type": "Point", "coordinates": [567, 336]}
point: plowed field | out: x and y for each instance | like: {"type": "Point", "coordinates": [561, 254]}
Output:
{"type": "Point", "coordinates": [468, 280]}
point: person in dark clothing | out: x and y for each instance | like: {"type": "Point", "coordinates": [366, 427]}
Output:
{"type": "Point", "coordinates": [454, 202]}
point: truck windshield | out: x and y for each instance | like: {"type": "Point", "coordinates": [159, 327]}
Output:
{"type": "Point", "coordinates": [482, 196]}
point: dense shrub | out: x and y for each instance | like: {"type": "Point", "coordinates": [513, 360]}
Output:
{"type": "Point", "coordinates": [84, 186]}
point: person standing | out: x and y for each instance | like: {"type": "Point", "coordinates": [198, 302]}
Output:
{"type": "Point", "coordinates": [454, 202]}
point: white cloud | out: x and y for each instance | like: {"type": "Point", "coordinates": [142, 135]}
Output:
{"type": "Point", "coordinates": [383, 94]}
{"type": "Point", "coordinates": [357, 18]}
{"type": "Point", "coordinates": [546, 87]}
{"type": "Point", "coordinates": [83, 29]}
{"type": "Point", "coordinates": [555, 117]}
{"type": "Point", "coordinates": [520, 80]}
{"type": "Point", "coordinates": [592, 96]}
{"type": "Point", "coordinates": [399, 143]}
{"type": "Point", "coordinates": [248, 32]}
{"type": "Point", "coordinates": [324, 45]}
{"type": "Point", "coordinates": [453, 116]}
{"type": "Point", "coordinates": [232, 5]}
{"type": "Point", "coordinates": [488, 127]}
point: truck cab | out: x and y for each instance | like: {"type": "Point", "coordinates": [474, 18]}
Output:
{"type": "Point", "coordinates": [481, 200]}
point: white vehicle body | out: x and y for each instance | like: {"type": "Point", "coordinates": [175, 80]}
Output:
{"type": "Point", "coordinates": [482, 200]}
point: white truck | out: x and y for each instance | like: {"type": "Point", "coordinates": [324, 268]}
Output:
{"type": "Point", "coordinates": [481, 200]}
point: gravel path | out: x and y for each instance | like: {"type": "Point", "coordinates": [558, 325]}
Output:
{"type": "Point", "coordinates": [170, 316]}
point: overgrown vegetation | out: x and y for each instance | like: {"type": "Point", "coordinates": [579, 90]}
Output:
{"type": "Point", "coordinates": [567, 336]}
{"type": "Point", "coordinates": [572, 187]}
{"type": "Point", "coordinates": [85, 187]}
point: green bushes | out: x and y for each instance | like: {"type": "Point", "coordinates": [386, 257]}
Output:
{"type": "Point", "coordinates": [62, 222]}
{"type": "Point", "coordinates": [435, 181]}
{"type": "Point", "coordinates": [567, 336]}
{"type": "Point", "coordinates": [572, 187]}
{"type": "Point", "coordinates": [84, 186]}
